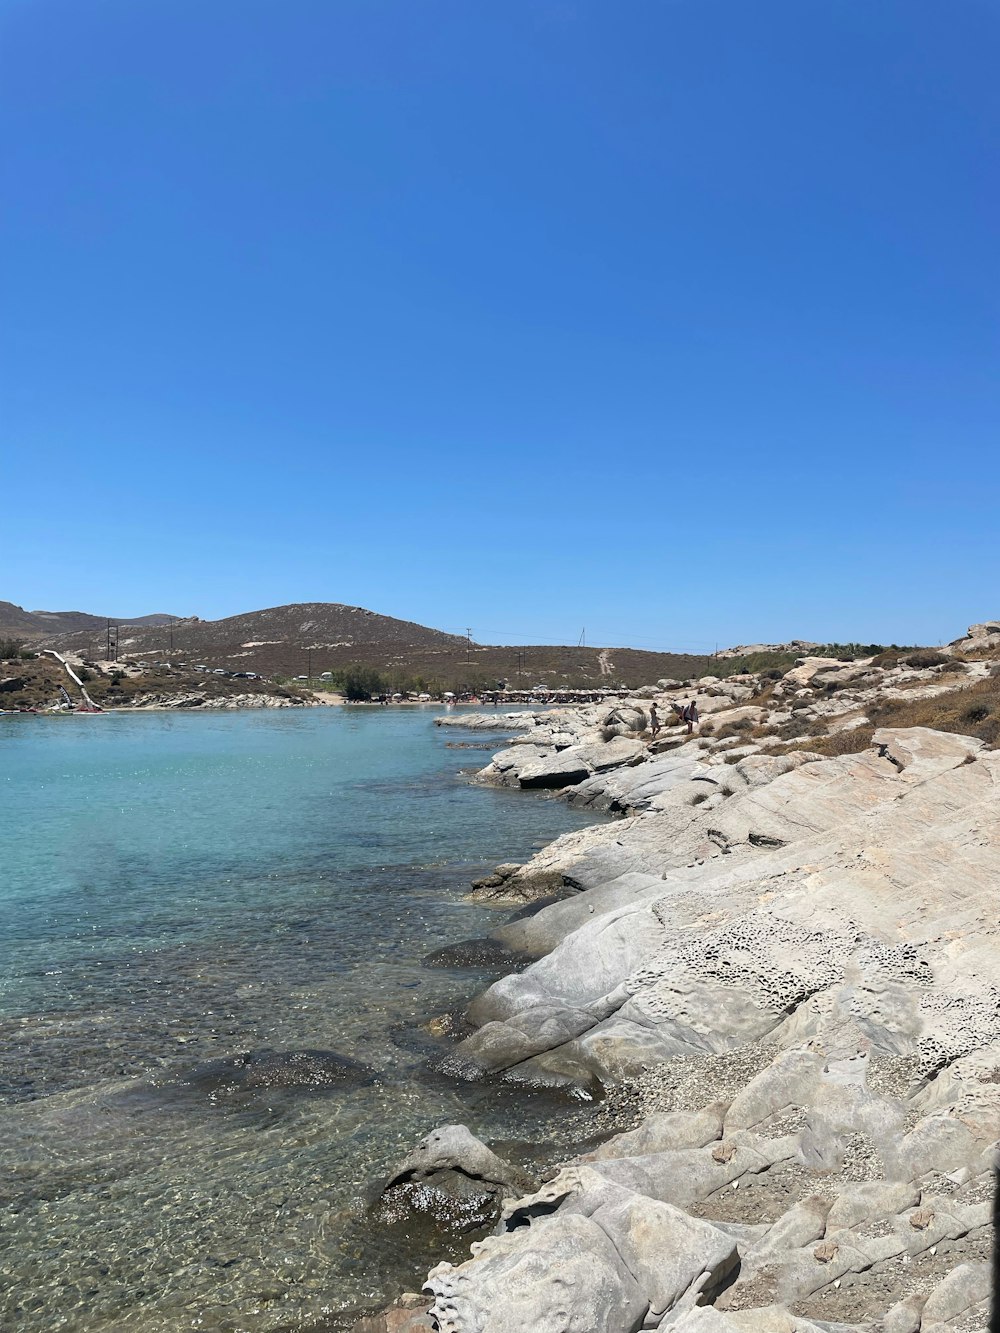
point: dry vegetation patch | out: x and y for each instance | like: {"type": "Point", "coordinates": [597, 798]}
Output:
{"type": "Point", "coordinates": [850, 741]}
{"type": "Point", "coordinates": [973, 711]}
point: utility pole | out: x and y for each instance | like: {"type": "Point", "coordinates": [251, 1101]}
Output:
{"type": "Point", "coordinates": [309, 660]}
{"type": "Point", "coordinates": [468, 644]}
{"type": "Point", "coordinates": [171, 632]}
{"type": "Point", "coordinates": [108, 656]}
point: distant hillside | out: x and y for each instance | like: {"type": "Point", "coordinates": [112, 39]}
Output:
{"type": "Point", "coordinates": [316, 624]}
{"type": "Point", "coordinates": [259, 640]}
{"type": "Point", "coordinates": [308, 638]}
{"type": "Point", "coordinates": [44, 625]}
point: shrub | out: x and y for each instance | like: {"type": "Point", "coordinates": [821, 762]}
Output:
{"type": "Point", "coordinates": [891, 656]}
{"type": "Point", "coordinates": [734, 728]}
{"type": "Point", "coordinates": [847, 652]}
{"type": "Point", "coordinates": [976, 712]}
{"type": "Point", "coordinates": [791, 730]}
{"type": "Point", "coordinates": [926, 657]}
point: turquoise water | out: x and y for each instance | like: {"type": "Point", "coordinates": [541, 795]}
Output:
{"type": "Point", "coordinates": [181, 897]}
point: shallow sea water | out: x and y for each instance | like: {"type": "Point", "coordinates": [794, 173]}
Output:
{"type": "Point", "coordinates": [187, 902]}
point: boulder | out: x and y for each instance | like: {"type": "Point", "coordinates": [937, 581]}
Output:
{"type": "Point", "coordinates": [963, 1291]}
{"type": "Point", "coordinates": [615, 753]}
{"type": "Point", "coordinates": [636, 786]}
{"type": "Point", "coordinates": [664, 1131]}
{"type": "Point", "coordinates": [570, 1276]}
{"type": "Point", "coordinates": [456, 1148]}
{"type": "Point", "coordinates": [806, 668]}
{"type": "Point", "coordinates": [489, 721]}
{"type": "Point", "coordinates": [564, 768]}
{"type": "Point", "coordinates": [624, 720]}
{"type": "Point", "coordinates": [582, 1253]}
{"type": "Point", "coordinates": [452, 1180]}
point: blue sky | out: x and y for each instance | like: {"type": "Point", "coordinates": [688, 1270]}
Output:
{"type": "Point", "coordinates": [672, 319]}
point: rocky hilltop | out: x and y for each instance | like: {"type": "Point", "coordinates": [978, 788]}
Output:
{"type": "Point", "coordinates": [782, 963]}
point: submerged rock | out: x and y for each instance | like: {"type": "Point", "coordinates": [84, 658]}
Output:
{"type": "Point", "coordinates": [255, 1071]}
{"type": "Point", "coordinates": [484, 954]}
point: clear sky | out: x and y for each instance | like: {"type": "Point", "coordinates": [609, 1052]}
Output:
{"type": "Point", "coordinates": [672, 319]}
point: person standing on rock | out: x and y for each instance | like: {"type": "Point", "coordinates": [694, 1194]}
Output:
{"type": "Point", "coordinates": [654, 721]}
{"type": "Point", "coordinates": [690, 715]}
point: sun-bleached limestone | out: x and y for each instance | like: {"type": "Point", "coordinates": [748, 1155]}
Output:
{"type": "Point", "coordinates": [583, 1253]}
{"type": "Point", "coordinates": [815, 941]}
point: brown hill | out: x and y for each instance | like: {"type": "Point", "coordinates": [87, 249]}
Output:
{"type": "Point", "coordinates": [44, 625]}
{"type": "Point", "coordinates": [258, 640]}
{"type": "Point", "coordinates": [308, 638]}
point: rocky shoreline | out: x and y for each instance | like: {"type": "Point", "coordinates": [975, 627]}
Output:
{"type": "Point", "coordinates": [782, 960]}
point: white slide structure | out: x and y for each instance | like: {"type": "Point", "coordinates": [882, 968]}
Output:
{"type": "Point", "coordinates": [92, 707]}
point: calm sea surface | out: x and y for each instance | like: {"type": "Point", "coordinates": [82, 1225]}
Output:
{"type": "Point", "coordinates": [188, 906]}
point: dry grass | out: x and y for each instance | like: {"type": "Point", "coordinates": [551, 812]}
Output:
{"type": "Point", "coordinates": [764, 696]}
{"type": "Point", "coordinates": [974, 711]}
{"type": "Point", "coordinates": [852, 741]}
{"type": "Point", "coordinates": [981, 654]}
{"type": "Point", "coordinates": [911, 657]}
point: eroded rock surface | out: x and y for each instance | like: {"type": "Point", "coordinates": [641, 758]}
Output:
{"type": "Point", "coordinates": [791, 964]}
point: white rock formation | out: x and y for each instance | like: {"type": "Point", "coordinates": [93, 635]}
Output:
{"type": "Point", "coordinates": [793, 961]}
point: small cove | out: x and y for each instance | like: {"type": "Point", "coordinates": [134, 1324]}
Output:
{"type": "Point", "coordinates": [182, 894]}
